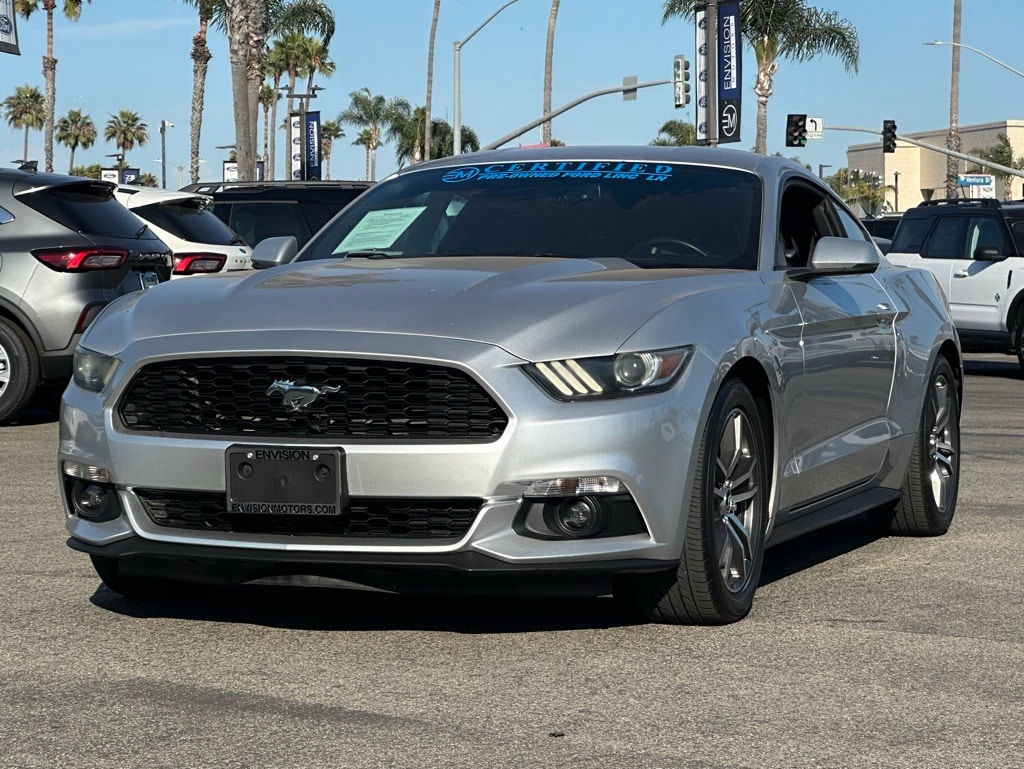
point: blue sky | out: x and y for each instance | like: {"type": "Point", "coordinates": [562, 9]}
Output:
{"type": "Point", "coordinates": [134, 54]}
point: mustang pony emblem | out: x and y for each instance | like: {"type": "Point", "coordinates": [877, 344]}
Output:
{"type": "Point", "coordinates": [298, 397]}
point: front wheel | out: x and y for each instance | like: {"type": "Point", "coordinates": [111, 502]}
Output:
{"type": "Point", "coordinates": [724, 538]}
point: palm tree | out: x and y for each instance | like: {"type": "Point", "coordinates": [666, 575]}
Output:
{"type": "Point", "coordinates": [430, 81]}
{"type": "Point", "coordinates": [408, 134]}
{"type": "Point", "coordinates": [147, 180]}
{"type": "Point", "coordinates": [75, 130]}
{"type": "Point", "coordinates": [375, 114]}
{"type": "Point", "coordinates": [443, 139]}
{"type": "Point", "coordinates": [676, 133]}
{"type": "Point", "coordinates": [1002, 154]}
{"type": "Point", "coordinates": [209, 10]}
{"type": "Point", "coordinates": [268, 97]}
{"type": "Point", "coordinates": [366, 140]}
{"type": "Point", "coordinates": [25, 108]}
{"type": "Point", "coordinates": [277, 65]}
{"type": "Point", "coordinates": [953, 138]}
{"type": "Point", "coordinates": [72, 11]}
{"type": "Point", "coordinates": [549, 52]}
{"type": "Point", "coordinates": [782, 29]}
{"type": "Point", "coordinates": [249, 24]}
{"type": "Point", "coordinates": [330, 130]}
{"type": "Point", "coordinates": [316, 61]}
{"type": "Point", "coordinates": [127, 131]}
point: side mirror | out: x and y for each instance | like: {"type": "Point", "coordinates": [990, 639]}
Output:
{"type": "Point", "coordinates": [271, 252]}
{"type": "Point", "coordinates": [840, 256]}
{"type": "Point", "coordinates": [987, 254]}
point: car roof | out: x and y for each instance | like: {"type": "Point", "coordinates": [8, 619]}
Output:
{"type": "Point", "coordinates": [134, 197]}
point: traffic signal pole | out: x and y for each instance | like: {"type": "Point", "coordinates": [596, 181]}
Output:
{"type": "Point", "coordinates": [952, 153]}
{"type": "Point", "coordinates": [555, 113]}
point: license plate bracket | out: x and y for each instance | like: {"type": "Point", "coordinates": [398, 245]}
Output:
{"type": "Point", "coordinates": [148, 279]}
{"type": "Point", "coordinates": [274, 480]}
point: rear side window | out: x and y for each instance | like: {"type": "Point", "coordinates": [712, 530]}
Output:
{"type": "Point", "coordinates": [946, 240]}
{"type": "Point", "coordinates": [189, 220]}
{"type": "Point", "coordinates": [257, 221]}
{"type": "Point", "coordinates": [910, 235]}
{"type": "Point", "coordinates": [85, 207]}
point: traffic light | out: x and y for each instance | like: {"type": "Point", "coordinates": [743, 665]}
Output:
{"type": "Point", "coordinates": [796, 130]}
{"type": "Point", "coordinates": [888, 136]}
{"type": "Point", "coordinates": [681, 81]}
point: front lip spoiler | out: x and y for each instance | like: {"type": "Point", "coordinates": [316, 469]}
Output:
{"type": "Point", "coordinates": [462, 572]}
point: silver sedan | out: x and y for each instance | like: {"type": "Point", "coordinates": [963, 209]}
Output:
{"type": "Point", "coordinates": [621, 370]}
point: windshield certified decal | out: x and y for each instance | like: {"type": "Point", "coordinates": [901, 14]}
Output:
{"type": "Point", "coordinates": [647, 172]}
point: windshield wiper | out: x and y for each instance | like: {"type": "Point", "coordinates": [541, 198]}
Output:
{"type": "Point", "coordinates": [371, 253]}
{"type": "Point", "coordinates": [141, 231]}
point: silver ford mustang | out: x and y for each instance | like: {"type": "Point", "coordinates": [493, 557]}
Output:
{"type": "Point", "coordinates": [612, 369]}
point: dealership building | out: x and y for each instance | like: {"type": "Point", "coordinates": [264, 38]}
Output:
{"type": "Point", "coordinates": [916, 174]}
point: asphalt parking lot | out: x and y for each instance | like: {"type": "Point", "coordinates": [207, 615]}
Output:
{"type": "Point", "coordinates": [860, 652]}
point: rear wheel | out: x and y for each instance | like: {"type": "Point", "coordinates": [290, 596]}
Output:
{"type": "Point", "coordinates": [928, 498]}
{"type": "Point", "coordinates": [724, 540]}
{"type": "Point", "coordinates": [19, 370]}
{"type": "Point", "coordinates": [132, 586]}
{"type": "Point", "coordinates": [1018, 343]}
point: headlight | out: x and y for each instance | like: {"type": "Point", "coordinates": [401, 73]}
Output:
{"type": "Point", "coordinates": [611, 376]}
{"type": "Point", "coordinates": [93, 370]}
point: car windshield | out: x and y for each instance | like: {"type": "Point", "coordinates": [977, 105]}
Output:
{"type": "Point", "coordinates": [652, 214]}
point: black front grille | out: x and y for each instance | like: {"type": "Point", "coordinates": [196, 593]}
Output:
{"type": "Point", "coordinates": [365, 518]}
{"type": "Point", "coordinates": [376, 400]}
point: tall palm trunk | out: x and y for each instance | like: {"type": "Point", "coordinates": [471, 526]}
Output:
{"type": "Point", "coordinates": [50, 76]}
{"type": "Point", "coordinates": [430, 81]}
{"type": "Point", "coordinates": [549, 55]}
{"type": "Point", "coordinates": [953, 138]}
{"type": "Point", "coordinates": [268, 172]}
{"type": "Point", "coordinates": [71, 165]}
{"type": "Point", "coordinates": [200, 62]}
{"type": "Point", "coordinates": [763, 89]}
{"type": "Point", "coordinates": [367, 174]}
{"type": "Point", "coordinates": [24, 152]}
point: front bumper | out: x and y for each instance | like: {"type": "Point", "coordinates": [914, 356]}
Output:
{"type": "Point", "coordinates": [645, 441]}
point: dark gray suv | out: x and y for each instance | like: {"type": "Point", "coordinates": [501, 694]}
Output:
{"type": "Point", "coordinates": [67, 248]}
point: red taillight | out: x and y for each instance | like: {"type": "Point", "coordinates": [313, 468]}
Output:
{"type": "Point", "coordinates": [81, 259]}
{"type": "Point", "coordinates": [191, 264]}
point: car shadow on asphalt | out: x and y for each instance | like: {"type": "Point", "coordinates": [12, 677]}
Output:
{"type": "Point", "coordinates": [346, 609]}
{"type": "Point", "coordinates": [349, 609]}
{"type": "Point", "coordinates": [1004, 368]}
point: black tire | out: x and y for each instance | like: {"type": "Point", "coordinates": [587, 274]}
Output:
{"type": "Point", "coordinates": [1018, 343]}
{"type": "Point", "coordinates": [716, 581]}
{"type": "Point", "coordinates": [928, 498]}
{"type": "Point", "coordinates": [132, 586]}
{"type": "Point", "coordinates": [19, 370]}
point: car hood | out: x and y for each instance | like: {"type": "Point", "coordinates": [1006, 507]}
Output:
{"type": "Point", "coordinates": [533, 307]}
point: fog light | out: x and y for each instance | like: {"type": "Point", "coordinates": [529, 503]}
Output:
{"type": "Point", "coordinates": [580, 517]}
{"type": "Point", "coordinates": [91, 500]}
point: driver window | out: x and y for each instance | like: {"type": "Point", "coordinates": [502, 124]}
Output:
{"type": "Point", "coordinates": [805, 216]}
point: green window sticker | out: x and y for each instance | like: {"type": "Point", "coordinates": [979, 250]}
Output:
{"type": "Point", "coordinates": [379, 229]}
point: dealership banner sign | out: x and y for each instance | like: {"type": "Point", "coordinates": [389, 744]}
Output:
{"type": "Point", "coordinates": [295, 146]}
{"type": "Point", "coordinates": [729, 72]}
{"type": "Point", "coordinates": [721, 47]}
{"type": "Point", "coordinates": [8, 28]}
{"type": "Point", "coordinates": [311, 145]}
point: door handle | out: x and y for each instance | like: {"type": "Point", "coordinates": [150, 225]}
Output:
{"type": "Point", "coordinates": [963, 274]}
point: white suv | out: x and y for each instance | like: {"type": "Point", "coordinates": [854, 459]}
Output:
{"type": "Point", "coordinates": [200, 241]}
{"type": "Point", "coordinates": [975, 248]}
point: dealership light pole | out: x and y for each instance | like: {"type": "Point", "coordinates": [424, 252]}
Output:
{"type": "Point", "coordinates": [457, 107]}
{"type": "Point", "coordinates": [164, 125]}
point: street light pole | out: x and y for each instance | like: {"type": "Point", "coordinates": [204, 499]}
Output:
{"type": "Point", "coordinates": [456, 106]}
{"type": "Point", "coordinates": [896, 189]}
{"type": "Point", "coordinates": [979, 52]}
{"type": "Point", "coordinates": [821, 169]}
{"type": "Point", "coordinates": [164, 125]}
